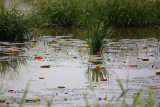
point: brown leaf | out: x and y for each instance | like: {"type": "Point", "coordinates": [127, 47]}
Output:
{"type": "Point", "coordinates": [61, 87]}
{"type": "Point", "coordinates": [45, 66]}
{"type": "Point", "coordinates": [2, 101]}
{"type": "Point", "coordinates": [17, 52]}
{"type": "Point", "coordinates": [38, 57]}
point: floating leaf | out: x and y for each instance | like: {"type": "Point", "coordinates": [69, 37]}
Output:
{"type": "Point", "coordinates": [45, 66]}
{"type": "Point", "coordinates": [55, 41]}
{"type": "Point", "coordinates": [145, 47]}
{"type": "Point", "coordinates": [133, 65]}
{"type": "Point", "coordinates": [38, 57]}
{"type": "Point", "coordinates": [75, 57]}
{"type": "Point", "coordinates": [157, 73]}
{"type": "Point", "coordinates": [32, 100]}
{"type": "Point", "coordinates": [87, 47]}
{"type": "Point", "coordinates": [16, 52]}
{"type": "Point", "coordinates": [61, 87]}
{"type": "Point", "coordinates": [102, 98]}
{"type": "Point", "coordinates": [41, 77]}
{"type": "Point", "coordinates": [145, 59]}
{"type": "Point", "coordinates": [2, 101]}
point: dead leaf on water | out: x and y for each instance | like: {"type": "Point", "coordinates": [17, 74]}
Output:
{"type": "Point", "coordinates": [38, 57]}
{"type": "Point", "coordinates": [32, 100]}
{"type": "Point", "coordinates": [16, 52]}
{"type": "Point", "coordinates": [157, 73]}
{"type": "Point", "coordinates": [75, 57]}
{"type": "Point", "coordinates": [55, 41]}
{"type": "Point", "coordinates": [87, 47]}
{"type": "Point", "coordinates": [133, 65]}
{"type": "Point", "coordinates": [98, 67]}
{"type": "Point", "coordinates": [145, 59]}
{"type": "Point", "coordinates": [2, 101]}
{"type": "Point", "coordinates": [61, 87]}
{"type": "Point", "coordinates": [45, 66]}
{"type": "Point", "coordinates": [41, 77]}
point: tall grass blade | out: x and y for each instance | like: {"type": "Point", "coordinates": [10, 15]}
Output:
{"type": "Point", "coordinates": [24, 95]}
{"type": "Point", "coordinates": [138, 101]}
{"type": "Point", "coordinates": [86, 101]}
{"type": "Point", "coordinates": [150, 99]}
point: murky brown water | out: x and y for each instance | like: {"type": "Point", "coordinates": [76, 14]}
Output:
{"type": "Point", "coordinates": [60, 69]}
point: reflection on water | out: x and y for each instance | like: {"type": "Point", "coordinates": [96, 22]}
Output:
{"type": "Point", "coordinates": [10, 61]}
{"type": "Point", "coordinates": [96, 71]}
{"type": "Point", "coordinates": [60, 69]}
{"type": "Point", "coordinates": [136, 33]}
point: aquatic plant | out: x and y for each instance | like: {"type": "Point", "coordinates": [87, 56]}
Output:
{"type": "Point", "coordinates": [13, 25]}
{"type": "Point", "coordinates": [96, 34]}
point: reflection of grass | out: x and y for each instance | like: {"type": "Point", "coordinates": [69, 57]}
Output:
{"type": "Point", "coordinates": [10, 67]}
{"type": "Point", "coordinates": [96, 74]}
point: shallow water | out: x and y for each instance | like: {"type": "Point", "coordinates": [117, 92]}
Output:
{"type": "Point", "coordinates": [59, 69]}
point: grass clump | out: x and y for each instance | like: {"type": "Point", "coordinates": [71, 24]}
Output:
{"type": "Point", "coordinates": [13, 25]}
{"type": "Point", "coordinates": [96, 36]}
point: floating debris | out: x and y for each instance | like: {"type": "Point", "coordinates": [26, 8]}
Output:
{"type": "Point", "coordinates": [157, 73]}
{"type": "Point", "coordinates": [55, 41]}
{"type": "Point", "coordinates": [133, 65]}
{"type": "Point", "coordinates": [45, 66]}
{"type": "Point", "coordinates": [87, 46]}
{"type": "Point", "coordinates": [145, 59]}
{"type": "Point", "coordinates": [61, 87]}
{"type": "Point", "coordinates": [102, 98]}
{"type": "Point", "coordinates": [32, 100]}
{"type": "Point", "coordinates": [16, 52]}
{"type": "Point", "coordinates": [38, 57]}
{"type": "Point", "coordinates": [41, 77]}
{"type": "Point", "coordinates": [75, 57]}
{"type": "Point", "coordinates": [2, 101]}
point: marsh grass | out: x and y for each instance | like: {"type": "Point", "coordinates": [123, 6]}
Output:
{"type": "Point", "coordinates": [96, 36]}
{"type": "Point", "coordinates": [120, 13]}
{"type": "Point", "coordinates": [13, 24]}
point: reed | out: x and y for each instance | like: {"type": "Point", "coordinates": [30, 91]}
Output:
{"type": "Point", "coordinates": [13, 25]}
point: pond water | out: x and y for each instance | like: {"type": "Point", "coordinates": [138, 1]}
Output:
{"type": "Point", "coordinates": [59, 69]}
